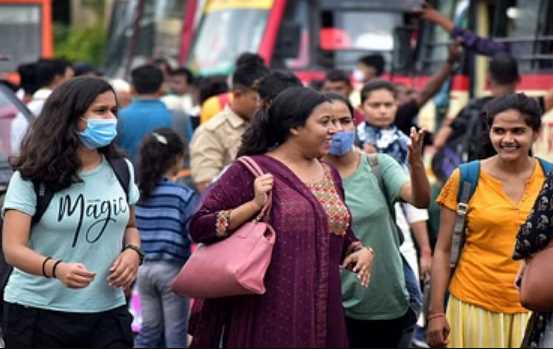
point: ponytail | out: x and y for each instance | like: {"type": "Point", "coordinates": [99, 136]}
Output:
{"type": "Point", "coordinates": [257, 139]}
{"type": "Point", "coordinates": [271, 126]}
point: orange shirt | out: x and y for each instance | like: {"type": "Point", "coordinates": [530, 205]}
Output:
{"type": "Point", "coordinates": [486, 271]}
{"type": "Point", "coordinates": [214, 105]}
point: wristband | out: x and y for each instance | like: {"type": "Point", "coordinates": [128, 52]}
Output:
{"type": "Point", "coordinates": [44, 266]}
{"type": "Point", "coordinates": [54, 268]}
{"type": "Point", "coordinates": [137, 250]}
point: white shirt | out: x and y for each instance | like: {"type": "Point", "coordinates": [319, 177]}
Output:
{"type": "Point", "coordinates": [20, 124]}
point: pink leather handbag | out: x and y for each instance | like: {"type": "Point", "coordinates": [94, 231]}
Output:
{"type": "Point", "coordinates": [234, 266]}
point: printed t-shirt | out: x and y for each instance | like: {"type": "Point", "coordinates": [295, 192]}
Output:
{"type": "Point", "coordinates": [386, 298]}
{"type": "Point", "coordinates": [486, 271]}
{"type": "Point", "coordinates": [84, 223]}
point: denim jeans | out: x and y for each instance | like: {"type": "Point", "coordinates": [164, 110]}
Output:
{"type": "Point", "coordinates": [164, 314]}
{"type": "Point", "coordinates": [415, 304]}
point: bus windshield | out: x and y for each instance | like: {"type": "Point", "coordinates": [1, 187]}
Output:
{"type": "Point", "coordinates": [20, 41]}
{"type": "Point", "coordinates": [156, 34]}
{"type": "Point", "coordinates": [224, 33]}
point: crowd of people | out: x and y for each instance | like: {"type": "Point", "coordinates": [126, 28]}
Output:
{"type": "Point", "coordinates": [361, 229]}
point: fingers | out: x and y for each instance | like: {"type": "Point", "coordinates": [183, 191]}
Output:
{"type": "Point", "coordinates": [264, 183]}
{"type": "Point", "coordinates": [364, 274]}
{"type": "Point", "coordinates": [125, 273]}
{"type": "Point", "coordinates": [77, 276]}
{"type": "Point", "coordinates": [81, 270]}
{"type": "Point", "coordinates": [348, 260]}
{"type": "Point", "coordinates": [115, 264]}
{"type": "Point", "coordinates": [123, 279]}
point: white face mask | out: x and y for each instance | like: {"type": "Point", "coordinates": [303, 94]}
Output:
{"type": "Point", "coordinates": [358, 75]}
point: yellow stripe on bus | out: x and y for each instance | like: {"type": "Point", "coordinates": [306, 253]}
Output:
{"type": "Point", "coordinates": [218, 5]}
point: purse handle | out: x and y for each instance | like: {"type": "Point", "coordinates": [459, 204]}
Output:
{"type": "Point", "coordinates": [254, 168]}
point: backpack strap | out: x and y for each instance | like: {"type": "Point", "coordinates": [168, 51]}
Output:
{"type": "Point", "coordinates": [470, 172]}
{"type": "Point", "coordinates": [546, 166]}
{"type": "Point", "coordinates": [372, 159]}
{"type": "Point", "coordinates": [44, 195]}
{"type": "Point", "coordinates": [43, 198]}
{"type": "Point", "coordinates": [122, 173]}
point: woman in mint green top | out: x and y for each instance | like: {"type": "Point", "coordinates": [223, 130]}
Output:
{"type": "Point", "coordinates": [71, 266]}
{"type": "Point", "coordinates": [376, 315]}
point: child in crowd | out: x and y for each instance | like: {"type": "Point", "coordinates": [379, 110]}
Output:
{"type": "Point", "coordinates": [162, 218]}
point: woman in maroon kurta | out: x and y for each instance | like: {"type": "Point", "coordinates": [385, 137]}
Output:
{"type": "Point", "coordinates": [302, 306]}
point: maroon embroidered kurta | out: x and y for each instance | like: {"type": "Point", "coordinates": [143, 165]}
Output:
{"type": "Point", "coordinates": [302, 306]}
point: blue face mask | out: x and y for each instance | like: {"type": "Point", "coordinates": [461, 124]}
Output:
{"type": "Point", "coordinates": [341, 143]}
{"type": "Point", "coordinates": [98, 133]}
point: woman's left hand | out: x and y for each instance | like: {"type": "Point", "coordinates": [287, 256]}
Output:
{"type": "Point", "coordinates": [415, 148]}
{"type": "Point", "coordinates": [123, 271]}
{"type": "Point", "coordinates": [361, 262]}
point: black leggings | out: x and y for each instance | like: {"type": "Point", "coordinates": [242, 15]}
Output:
{"type": "Point", "coordinates": [378, 333]}
{"type": "Point", "coordinates": [28, 327]}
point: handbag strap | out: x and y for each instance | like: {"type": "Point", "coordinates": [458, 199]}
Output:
{"type": "Point", "coordinates": [254, 168]}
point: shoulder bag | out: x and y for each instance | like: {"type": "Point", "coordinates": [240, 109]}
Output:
{"type": "Point", "coordinates": [234, 266]}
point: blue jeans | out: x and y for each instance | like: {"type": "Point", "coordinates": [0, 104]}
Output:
{"type": "Point", "coordinates": [415, 304]}
{"type": "Point", "coordinates": [164, 314]}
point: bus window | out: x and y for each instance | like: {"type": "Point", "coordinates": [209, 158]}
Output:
{"type": "Point", "coordinates": [161, 27]}
{"type": "Point", "coordinates": [227, 29]}
{"type": "Point", "coordinates": [527, 27]}
{"type": "Point", "coordinates": [435, 51]}
{"type": "Point", "coordinates": [20, 41]}
{"type": "Point", "coordinates": [349, 34]}
{"type": "Point", "coordinates": [296, 15]}
{"type": "Point", "coordinates": [157, 35]}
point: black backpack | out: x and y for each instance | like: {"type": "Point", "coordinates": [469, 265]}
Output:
{"type": "Point", "coordinates": [44, 197]}
{"type": "Point", "coordinates": [469, 140]}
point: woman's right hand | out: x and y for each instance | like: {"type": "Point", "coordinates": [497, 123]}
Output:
{"type": "Point", "coordinates": [74, 275]}
{"type": "Point", "coordinates": [437, 332]}
{"type": "Point", "coordinates": [261, 186]}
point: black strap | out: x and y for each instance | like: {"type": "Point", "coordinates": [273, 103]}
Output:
{"type": "Point", "coordinates": [459, 235]}
{"type": "Point", "coordinates": [43, 198]}
{"type": "Point", "coordinates": [122, 173]}
{"type": "Point", "coordinates": [44, 195]}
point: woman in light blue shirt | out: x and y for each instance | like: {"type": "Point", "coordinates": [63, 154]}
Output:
{"type": "Point", "coordinates": [73, 260]}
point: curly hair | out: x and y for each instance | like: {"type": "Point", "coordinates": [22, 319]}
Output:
{"type": "Point", "coordinates": [159, 151]}
{"type": "Point", "coordinates": [49, 150]}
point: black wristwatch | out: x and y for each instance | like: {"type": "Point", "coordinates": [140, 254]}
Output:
{"type": "Point", "coordinates": [137, 250]}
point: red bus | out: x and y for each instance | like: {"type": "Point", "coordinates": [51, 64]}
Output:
{"type": "Point", "coordinates": [305, 36]}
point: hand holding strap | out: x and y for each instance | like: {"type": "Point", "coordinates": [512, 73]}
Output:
{"type": "Point", "coordinates": [254, 168]}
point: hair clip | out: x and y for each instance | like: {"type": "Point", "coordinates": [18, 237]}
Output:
{"type": "Point", "coordinates": [161, 139]}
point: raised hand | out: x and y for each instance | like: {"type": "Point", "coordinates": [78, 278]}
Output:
{"type": "Point", "coordinates": [415, 148]}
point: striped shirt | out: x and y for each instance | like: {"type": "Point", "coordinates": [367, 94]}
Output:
{"type": "Point", "coordinates": [163, 222]}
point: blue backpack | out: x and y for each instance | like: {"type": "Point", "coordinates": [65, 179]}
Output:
{"type": "Point", "coordinates": [470, 173]}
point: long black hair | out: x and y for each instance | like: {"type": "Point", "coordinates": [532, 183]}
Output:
{"type": "Point", "coordinates": [159, 152]}
{"type": "Point", "coordinates": [49, 150]}
{"type": "Point", "coordinates": [271, 127]}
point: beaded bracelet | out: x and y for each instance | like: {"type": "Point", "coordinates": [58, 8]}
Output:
{"type": "Point", "coordinates": [44, 266]}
